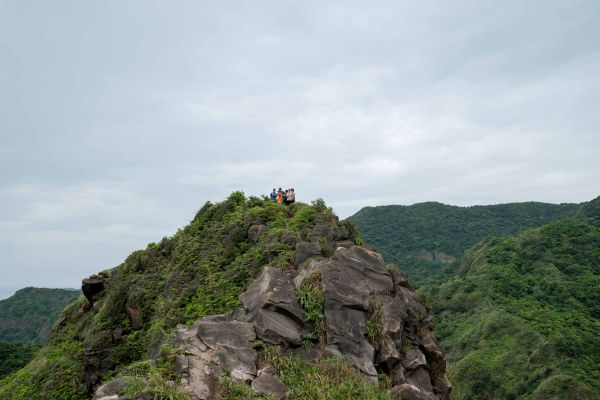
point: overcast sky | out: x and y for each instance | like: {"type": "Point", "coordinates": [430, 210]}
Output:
{"type": "Point", "coordinates": [119, 119]}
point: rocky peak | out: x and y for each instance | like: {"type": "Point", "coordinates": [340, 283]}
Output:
{"type": "Point", "coordinates": [245, 295]}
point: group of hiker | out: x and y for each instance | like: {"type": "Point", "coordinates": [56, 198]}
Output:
{"type": "Point", "coordinates": [283, 197]}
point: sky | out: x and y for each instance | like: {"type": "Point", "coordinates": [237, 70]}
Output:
{"type": "Point", "coordinates": [120, 119]}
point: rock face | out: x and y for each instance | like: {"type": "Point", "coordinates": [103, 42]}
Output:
{"type": "Point", "coordinates": [371, 316]}
{"type": "Point", "coordinates": [210, 347]}
{"type": "Point", "coordinates": [364, 299]}
{"type": "Point", "coordinates": [273, 308]}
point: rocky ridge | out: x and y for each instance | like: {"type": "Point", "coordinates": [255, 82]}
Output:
{"type": "Point", "coordinates": [251, 298]}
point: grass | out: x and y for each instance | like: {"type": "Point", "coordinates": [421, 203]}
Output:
{"type": "Point", "coordinates": [375, 322]}
{"type": "Point", "coordinates": [312, 299]}
{"type": "Point", "coordinates": [332, 378]}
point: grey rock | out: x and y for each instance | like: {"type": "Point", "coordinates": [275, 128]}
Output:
{"type": "Point", "coordinates": [414, 359]}
{"type": "Point", "coordinates": [273, 308]}
{"type": "Point", "coordinates": [397, 376]}
{"type": "Point", "coordinates": [399, 278]}
{"type": "Point", "coordinates": [113, 388]}
{"type": "Point", "coordinates": [350, 280]}
{"type": "Point", "coordinates": [289, 238]}
{"type": "Point", "coordinates": [270, 385]}
{"type": "Point", "coordinates": [420, 378]}
{"type": "Point", "coordinates": [409, 392]}
{"type": "Point", "coordinates": [432, 351]}
{"type": "Point", "coordinates": [209, 348]}
{"type": "Point", "coordinates": [255, 231]}
{"type": "Point", "coordinates": [344, 243]}
{"type": "Point", "coordinates": [135, 316]}
{"type": "Point", "coordinates": [306, 250]}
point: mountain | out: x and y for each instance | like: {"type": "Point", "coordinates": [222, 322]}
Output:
{"type": "Point", "coordinates": [251, 300]}
{"type": "Point", "coordinates": [30, 313]}
{"type": "Point", "coordinates": [425, 239]}
{"type": "Point", "coordinates": [14, 356]}
{"type": "Point", "coordinates": [521, 318]}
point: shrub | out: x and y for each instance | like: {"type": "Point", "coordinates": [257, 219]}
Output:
{"type": "Point", "coordinates": [312, 298]}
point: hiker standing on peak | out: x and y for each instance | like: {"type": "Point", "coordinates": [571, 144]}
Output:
{"type": "Point", "coordinates": [273, 195]}
{"type": "Point", "coordinates": [279, 196]}
{"type": "Point", "coordinates": [289, 196]}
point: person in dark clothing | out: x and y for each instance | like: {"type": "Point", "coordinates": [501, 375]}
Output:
{"type": "Point", "coordinates": [273, 195]}
{"type": "Point", "coordinates": [285, 197]}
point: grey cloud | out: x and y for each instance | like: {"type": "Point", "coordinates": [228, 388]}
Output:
{"type": "Point", "coordinates": [118, 120]}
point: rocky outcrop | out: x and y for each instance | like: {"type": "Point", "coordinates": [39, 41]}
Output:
{"type": "Point", "coordinates": [92, 287]}
{"type": "Point", "coordinates": [273, 308]}
{"type": "Point", "coordinates": [210, 348]}
{"type": "Point", "coordinates": [306, 250]}
{"type": "Point", "coordinates": [255, 231]}
{"type": "Point", "coordinates": [370, 315]}
{"type": "Point", "coordinates": [113, 388]}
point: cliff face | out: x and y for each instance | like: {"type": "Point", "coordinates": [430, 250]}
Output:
{"type": "Point", "coordinates": [362, 310]}
{"type": "Point", "coordinates": [252, 298]}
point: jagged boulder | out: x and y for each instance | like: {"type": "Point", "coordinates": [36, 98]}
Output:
{"type": "Point", "coordinates": [306, 250]}
{"type": "Point", "coordinates": [92, 287]}
{"type": "Point", "coordinates": [273, 308]}
{"type": "Point", "coordinates": [209, 348]}
{"type": "Point", "coordinates": [267, 383]}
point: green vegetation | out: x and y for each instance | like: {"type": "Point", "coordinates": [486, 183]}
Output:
{"type": "Point", "coordinates": [312, 298]}
{"type": "Point", "coordinates": [28, 315]}
{"type": "Point", "coordinates": [201, 270]}
{"type": "Point", "coordinates": [55, 373]}
{"type": "Point", "coordinates": [375, 322]}
{"type": "Point", "coordinates": [15, 355]}
{"type": "Point", "coordinates": [425, 239]}
{"type": "Point", "coordinates": [153, 377]}
{"type": "Point", "coordinates": [521, 319]}
{"type": "Point", "coordinates": [331, 378]}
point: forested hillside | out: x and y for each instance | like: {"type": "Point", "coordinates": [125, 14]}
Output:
{"type": "Point", "coordinates": [15, 355]}
{"type": "Point", "coordinates": [521, 319]}
{"type": "Point", "coordinates": [425, 239]}
{"type": "Point", "coordinates": [30, 313]}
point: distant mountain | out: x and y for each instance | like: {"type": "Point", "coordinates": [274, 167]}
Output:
{"type": "Point", "coordinates": [521, 318]}
{"type": "Point", "coordinates": [28, 315]}
{"type": "Point", "coordinates": [426, 238]}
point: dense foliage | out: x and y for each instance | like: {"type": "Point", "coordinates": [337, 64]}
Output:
{"type": "Point", "coordinates": [14, 356]}
{"type": "Point", "coordinates": [28, 315]}
{"type": "Point", "coordinates": [426, 238]}
{"type": "Point", "coordinates": [201, 270]}
{"type": "Point", "coordinates": [521, 319]}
